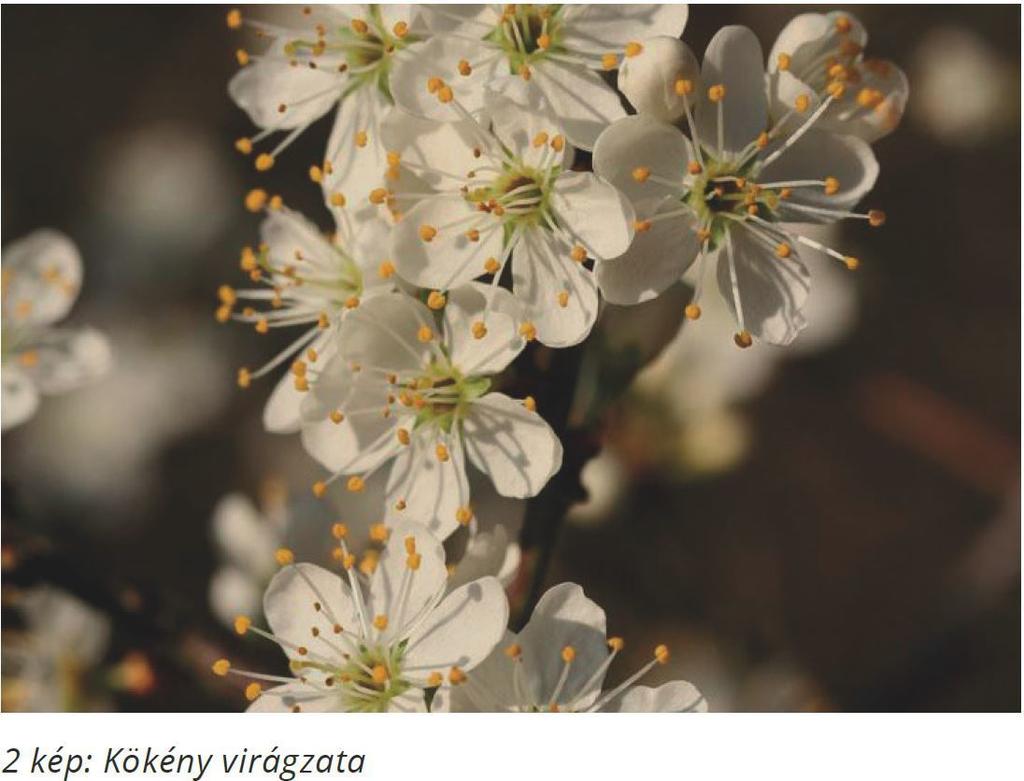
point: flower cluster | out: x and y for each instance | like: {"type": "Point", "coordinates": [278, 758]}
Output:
{"type": "Point", "coordinates": [489, 189]}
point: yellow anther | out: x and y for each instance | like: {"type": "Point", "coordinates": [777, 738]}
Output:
{"type": "Point", "coordinates": [226, 294]}
{"type": "Point", "coordinates": [284, 556]}
{"type": "Point", "coordinates": [319, 489]}
{"type": "Point", "coordinates": [683, 87]}
{"type": "Point", "coordinates": [336, 416]}
{"type": "Point", "coordinates": [563, 298]}
{"type": "Point", "coordinates": [525, 73]}
{"type": "Point", "coordinates": [609, 61]}
{"type": "Point", "coordinates": [869, 98]}
{"type": "Point", "coordinates": [851, 262]}
{"type": "Point", "coordinates": [464, 515]}
{"type": "Point", "coordinates": [831, 185]}
{"type": "Point", "coordinates": [413, 560]}
{"type": "Point", "coordinates": [558, 143]}
{"type": "Point", "coordinates": [692, 312]}
{"type": "Point", "coordinates": [339, 531]}
{"type": "Point", "coordinates": [491, 265]}
{"type": "Point", "coordinates": [662, 654]}
{"type": "Point", "coordinates": [786, 193]}
{"type": "Point", "coordinates": [716, 93]}
{"type": "Point", "coordinates": [425, 333]}
{"type": "Point", "coordinates": [355, 484]}
{"type": "Point", "coordinates": [301, 384]}
{"type": "Point", "coordinates": [836, 89]}
{"type": "Point", "coordinates": [275, 202]}
{"type": "Point", "coordinates": [262, 326]}
{"type": "Point", "coordinates": [378, 195]}
{"type": "Point", "coordinates": [242, 624]}
{"type": "Point", "coordinates": [338, 199]}
{"type": "Point", "coordinates": [312, 355]}
{"type": "Point", "coordinates": [442, 453]}
{"type": "Point", "coordinates": [244, 378]}
{"type": "Point", "coordinates": [456, 676]}
{"type": "Point", "coordinates": [641, 226]}
{"type": "Point", "coordinates": [876, 218]}
{"type": "Point", "coordinates": [434, 84]}
{"type": "Point", "coordinates": [298, 368]}
{"type": "Point", "coordinates": [221, 667]}
{"type": "Point", "coordinates": [634, 48]}
{"type": "Point", "coordinates": [386, 270]}
{"type": "Point", "coordinates": [223, 313]}
{"type": "Point", "coordinates": [316, 174]}
{"type": "Point", "coordinates": [379, 674]}
{"type": "Point", "coordinates": [544, 41]}
{"type": "Point", "coordinates": [379, 532]}
{"type": "Point", "coordinates": [616, 643]}
{"type": "Point", "coordinates": [568, 654]}
{"type": "Point", "coordinates": [838, 72]}
{"type": "Point", "coordinates": [436, 299]}
{"type": "Point", "coordinates": [359, 26]}
{"type": "Point", "coordinates": [473, 234]}
{"type": "Point", "coordinates": [540, 139]}
{"type": "Point", "coordinates": [234, 18]}
{"type": "Point", "coordinates": [242, 56]}
{"type": "Point", "coordinates": [428, 232]}
{"type": "Point", "coordinates": [578, 253]}
{"type": "Point", "coordinates": [850, 48]}
{"type": "Point", "coordinates": [403, 436]}
{"type": "Point", "coordinates": [255, 199]}
{"type": "Point", "coordinates": [252, 691]}
{"type": "Point", "coordinates": [323, 321]}
{"type": "Point", "coordinates": [530, 403]}
{"type": "Point", "coordinates": [410, 544]}
{"type": "Point", "coordinates": [401, 29]}
{"type": "Point", "coordinates": [380, 622]}
{"type": "Point", "coordinates": [783, 250]}
{"type": "Point", "coordinates": [264, 162]}
{"type": "Point", "coordinates": [514, 651]}
{"type": "Point", "coordinates": [762, 140]}
{"type": "Point", "coordinates": [465, 68]}
{"type": "Point", "coordinates": [802, 103]}
{"type": "Point", "coordinates": [244, 145]}
{"type": "Point", "coordinates": [445, 94]}
{"type": "Point", "coordinates": [362, 139]}
{"type": "Point", "coordinates": [352, 302]}
{"type": "Point", "coordinates": [703, 234]}
{"type": "Point", "coordinates": [478, 329]}
{"type": "Point", "coordinates": [784, 61]}
{"type": "Point", "coordinates": [434, 679]}
{"type": "Point", "coordinates": [743, 339]}
{"type": "Point", "coordinates": [843, 25]}
{"type": "Point", "coordinates": [528, 331]}
{"type": "Point", "coordinates": [641, 173]}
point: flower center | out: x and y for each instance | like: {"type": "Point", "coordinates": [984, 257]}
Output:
{"type": "Point", "coordinates": [526, 33]}
{"type": "Point", "coordinates": [519, 196]}
{"type": "Point", "coordinates": [442, 395]}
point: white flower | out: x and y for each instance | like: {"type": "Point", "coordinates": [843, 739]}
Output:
{"type": "Point", "coordinates": [558, 663]}
{"type": "Point", "coordinates": [42, 274]}
{"type": "Point", "coordinates": [648, 79]}
{"type": "Point", "coordinates": [310, 281]}
{"type": "Point", "coordinates": [319, 58]}
{"type": "Point", "coordinates": [508, 194]}
{"type": "Point", "coordinates": [823, 54]}
{"type": "Point", "coordinates": [402, 389]}
{"type": "Point", "coordinates": [557, 50]}
{"type": "Point", "coordinates": [729, 196]}
{"type": "Point", "coordinates": [375, 645]}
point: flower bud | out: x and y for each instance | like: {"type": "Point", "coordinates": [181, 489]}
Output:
{"type": "Point", "coordinates": [648, 80]}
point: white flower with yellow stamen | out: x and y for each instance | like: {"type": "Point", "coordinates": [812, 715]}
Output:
{"type": "Point", "coordinates": [414, 388]}
{"type": "Point", "coordinates": [731, 192]}
{"type": "Point", "coordinates": [320, 58]}
{"type": "Point", "coordinates": [42, 274]}
{"type": "Point", "coordinates": [558, 662]}
{"type": "Point", "coordinates": [508, 195]}
{"type": "Point", "coordinates": [376, 644]}
{"type": "Point", "coordinates": [558, 51]}
{"type": "Point", "coordinates": [823, 54]}
{"type": "Point", "coordinates": [308, 281]}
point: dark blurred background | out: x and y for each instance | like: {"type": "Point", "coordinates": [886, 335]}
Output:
{"type": "Point", "coordinates": [831, 528]}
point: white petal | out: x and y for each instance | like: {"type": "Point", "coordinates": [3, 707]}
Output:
{"type": "Point", "coordinates": [66, 359]}
{"type": "Point", "coordinates": [564, 616]}
{"type": "Point", "coordinates": [451, 257]}
{"type": "Point", "coordinates": [519, 114]}
{"type": "Point", "coordinates": [816, 155]}
{"type": "Point", "coordinates": [285, 698]}
{"type": "Point", "coordinates": [542, 270]}
{"type": "Point", "coordinates": [584, 104]}
{"type": "Point", "coordinates": [410, 701]}
{"type": "Point", "coordinates": [432, 490]}
{"type": "Point", "coordinates": [422, 586]}
{"type": "Point", "coordinates": [648, 79]}
{"type": "Point", "coordinates": [594, 212]}
{"type": "Point", "coordinates": [261, 88]}
{"type": "Point", "coordinates": [874, 123]}
{"type": "Point", "coordinates": [807, 36]}
{"type": "Point", "coordinates": [357, 150]}
{"type": "Point", "coordinates": [785, 90]}
{"type": "Point", "coordinates": [383, 333]}
{"type": "Point", "coordinates": [598, 29]}
{"type": "Point", "coordinates": [486, 554]}
{"type": "Point", "coordinates": [460, 632]}
{"type": "Point", "coordinates": [282, 412]}
{"type": "Point", "coordinates": [735, 60]}
{"type": "Point", "coordinates": [472, 19]}
{"type": "Point", "coordinates": [501, 314]}
{"type": "Point", "coordinates": [673, 697]}
{"type": "Point", "coordinates": [516, 447]}
{"type": "Point", "coordinates": [289, 606]}
{"type": "Point", "coordinates": [439, 57]}
{"type": "Point", "coordinates": [42, 276]}
{"type": "Point", "coordinates": [245, 536]}
{"type": "Point", "coordinates": [20, 397]}
{"type": "Point", "coordinates": [772, 291]}
{"type": "Point", "coordinates": [287, 233]}
{"type": "Point", "coordinates": [445, 147]}
{"type": "Point", "coordinates": [234, 593]}
{"type": "Point", "coordinates": [492, 689]}
{"type": "Point", "coordinates": [643, 142]}
{"type": "Point", "coordinates": [656, 259]}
